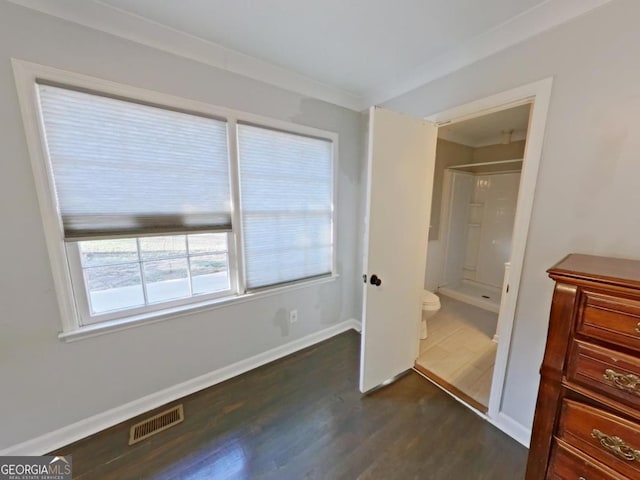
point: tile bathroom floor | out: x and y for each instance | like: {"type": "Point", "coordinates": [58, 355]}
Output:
{"type": "Point", "coordinates": [459, 353]}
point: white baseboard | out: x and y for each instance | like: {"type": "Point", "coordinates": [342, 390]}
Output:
{"type": "Point", "coordinates": [514, 429]}
{"type": "Point", "coordinates": [89, 426]}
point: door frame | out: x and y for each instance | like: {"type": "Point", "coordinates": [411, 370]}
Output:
{"type": "Point", "coordinates": [539, 95]}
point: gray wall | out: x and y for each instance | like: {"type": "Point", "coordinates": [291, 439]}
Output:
{"type": "Point", "coordinates": [588, 185]}
{"type": "Point", "coordinates": [48, 384]}
{"type": "Point", "coordinates": [499, 151]}
{"type": "Point", "coordinates": [447, 154]}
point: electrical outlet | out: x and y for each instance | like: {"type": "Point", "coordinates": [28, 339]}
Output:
{"type": "Point", "coordinates": [293, 316]}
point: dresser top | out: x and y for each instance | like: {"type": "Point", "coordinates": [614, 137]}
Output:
{"type": "Point", "coordinates": [617, 271]}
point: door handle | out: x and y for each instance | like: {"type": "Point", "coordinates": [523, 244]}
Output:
{"type": "Point", "coordinates": [375, 280]}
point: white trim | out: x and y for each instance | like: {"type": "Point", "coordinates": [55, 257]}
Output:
{"type": "Point", "coordinates": [36, 145]}
{"type": "Point", "coordinates": [486, 164]}
{"type": "Point", "coordinates": [82, 300]}
{"type": "Point", "coordinates": [96, 329]}
{"type": "Point", "coordinates": [484, 106]}
{"type": "Point", "coordinates": [514, 429]}
{"type": "Point", "coordinates": [99, 16]}
{"type": "Point", "coordinates": [542, 17]}
{"type": "Point", "coordinates": [335, 212]}
{"type": "Point", "coordinates": [138, 29]}
{"type": "Point", "coordinates": [236, 217]}
{"type": "Point", "coordinates": [89, 426]}
{"type": "Point", "coordinates": [540, 94]}
{"type": "Point", "coordinates": [26, 74]}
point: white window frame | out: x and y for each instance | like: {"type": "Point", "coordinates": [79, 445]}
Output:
{"type": "Point", "coordinates": [82, 297]}
{"type": "Point", "coordinates": [61, 255]}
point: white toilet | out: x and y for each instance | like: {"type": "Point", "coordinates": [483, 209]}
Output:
{"type": "Point", "coordinates": [430, 305]}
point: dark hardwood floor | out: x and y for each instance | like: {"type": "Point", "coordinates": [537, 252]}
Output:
{"type": "Point", "coordinates": [302, 417]}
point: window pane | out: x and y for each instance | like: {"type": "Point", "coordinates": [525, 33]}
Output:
{"type": "Point", "coordinates": [114, 287]}
{"type": "Point", "coordinates": [167, 280]}
{"type": "Point", "coordinates": [137, 272]}
{"type": "Point", "coordinates": [155, 248]}
{"type": "Point", "coordinates": [209, 273]}
{"type": "Point", "coordinates": [108, 252]}
{"type": "Point", "coordinates": [207, 243]}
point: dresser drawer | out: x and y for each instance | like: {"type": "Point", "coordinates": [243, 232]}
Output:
{"type": "Point", "coordinates": [568, 463]}
{"type": "Point", "coordinates": [613, 319]}
{"type": "Point", "coordinates": [606, 371]}
{"type": "Point", "coordinates": [607, 438]}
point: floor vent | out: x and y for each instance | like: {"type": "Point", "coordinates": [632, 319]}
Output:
{"type": "Point", "coordinates": [156, 424]}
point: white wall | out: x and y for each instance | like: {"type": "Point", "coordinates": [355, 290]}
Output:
{"type": "Point", "coordinates": [462, 185]}
{"type": "Point", "coordinates": [498, 194]}
{"type": "Point", "coordinates": [587, 192]}
{"type": "Point", "coordinates": [47, 384]}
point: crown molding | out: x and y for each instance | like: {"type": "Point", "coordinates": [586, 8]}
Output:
{"type": "Point", "coordinates": [534, 21]}
{"type": "Point", "coordinates": [99, 16]}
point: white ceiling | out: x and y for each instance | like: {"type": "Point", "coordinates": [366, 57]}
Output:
{"type": "Point", "coordinates": [487, 129]}
{"type": "Point", "coordinates": [352, 44]}
{"type": "Point", "coordinates": [350, 52]}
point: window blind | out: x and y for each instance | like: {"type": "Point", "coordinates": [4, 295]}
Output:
{"type": "Point", "coordinates": [123, 168]}
{"type": "Point", "coordinates": [286, 195]}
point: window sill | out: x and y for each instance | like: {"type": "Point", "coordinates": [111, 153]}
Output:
{"type": "Point", "coordinates": [110, 326]}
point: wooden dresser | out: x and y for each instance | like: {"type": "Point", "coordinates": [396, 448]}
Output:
{"type": "Point", "coordinates": [587, 420]}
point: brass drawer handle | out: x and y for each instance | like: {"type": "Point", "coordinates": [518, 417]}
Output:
{"type": "Point", "coordinates": [627, 382]}
{"type": "Point", "coordinates": [617, 446]}
{"type": "Point", "coordinates": [638, 328]}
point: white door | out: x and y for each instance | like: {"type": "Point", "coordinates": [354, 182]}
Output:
{"type": "Point", "coordinates": [399, 186]}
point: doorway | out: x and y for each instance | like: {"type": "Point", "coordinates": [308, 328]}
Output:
{"type": "Point", "coordinates": [400, 170]}
{"type": "Point", "coordinates": [475, 194]}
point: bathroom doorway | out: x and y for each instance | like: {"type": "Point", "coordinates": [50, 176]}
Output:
{"type": "Point", "coordinates": [400, 167]}
{"type": "Point", "coordinates": [475, 197]}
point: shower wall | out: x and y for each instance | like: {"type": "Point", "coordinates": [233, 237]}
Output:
{"type": "Point", "coordinates": [480, 227]}
{"type": "Point", "coordinates": [461, 193]}
{"type": "Point", "coordinates": [496, 197]}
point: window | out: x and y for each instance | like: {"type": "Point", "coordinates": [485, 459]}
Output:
{"type": "Point", "coordinates": [286, 205]}
{"type": "Point", "coordinates": [153, 203]}
{"type": "Point", "coordinates": [126, 174]}
{"type": "Point", "coordinates": [133, 273]}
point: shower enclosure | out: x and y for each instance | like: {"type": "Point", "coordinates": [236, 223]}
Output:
{"type": "Point", "coordinates": [480, 212]}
